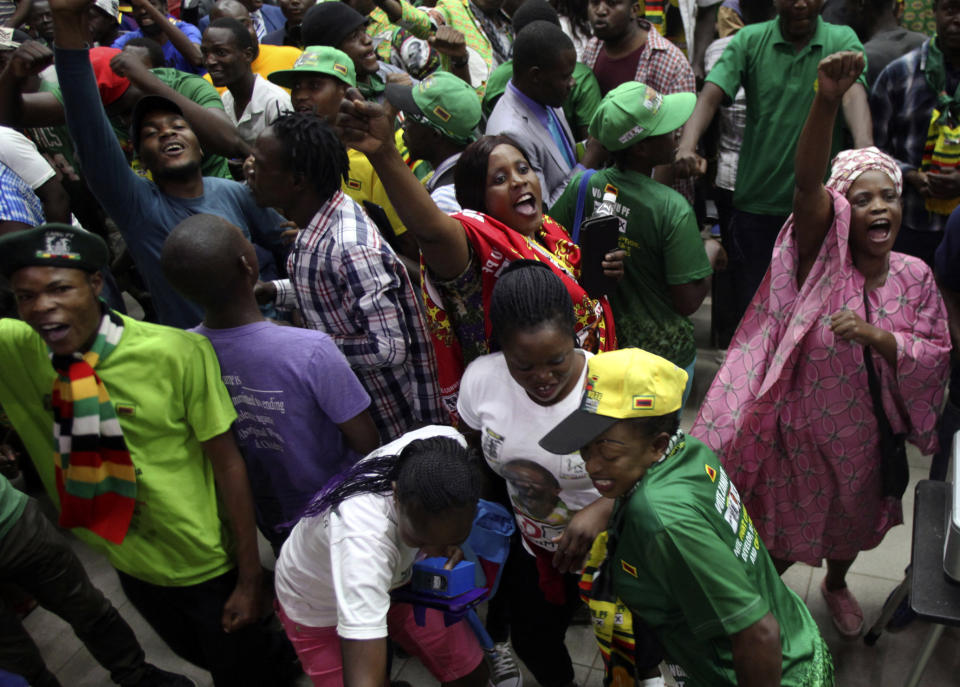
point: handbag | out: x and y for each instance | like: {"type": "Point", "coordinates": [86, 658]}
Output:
{"type": "Point", "coordinates": [581, 202]}
{"type": "Point", "coordinates": [894, 470]}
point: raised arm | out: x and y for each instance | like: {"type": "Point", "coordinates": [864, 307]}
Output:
{"type": "Point", "coordinates": [180, 40]}
{"type": "Point", "coordinates": [19, 109]}
{"type": "Point", "coordinates": [812, 206]}
{"type": "Point", "coordinates": [105, 167]}
{"type": "Point", "coordinates": [213, 128]}
{"type": "Point", "coordinates": [442, 240]}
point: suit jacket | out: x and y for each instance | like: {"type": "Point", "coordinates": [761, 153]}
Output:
{"type": "Point", "coordinates": [273, 19]}
{"type": "Point", "coordinates": [513, 117]}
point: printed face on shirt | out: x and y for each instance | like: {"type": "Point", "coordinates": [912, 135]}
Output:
{"type": "Point", "coordinates": [552, 83]}
{"type": "Point", "coordinates": [619, 457]}
{"type": "Point", "coordinates": [359, 46]}
{"type": "Point", "coordinates": [946, 13]}
{"type": "Point", "coordinates": [60, 304]}
{"type": "Point", "coordinates": [223, 57]}
{"type": "Point", "coordinates": [875, 212]}
{"type": "Point", "coordinates": [145, 22]}
{"type": "Point", "coordinates": [798, 18]}
{"type": "Point", "coordinates": [267, 172]}
{"type": "Point", "coordinates": [532, 487]}
{"type": "Point", "coordinates": [611, 19]}
{"type": "Point", "coordinates": [168, 146]}
{"type": "Point", "coordinates": [513, 190]}
{"type": "Point", "coordinates": [293, 10]}
{"type": "Point", "coordinates": [543, 361]}
{"type": "Point", "coordinates": [319, 94]}
{"type": "Point", "coordinates": [436, 534]}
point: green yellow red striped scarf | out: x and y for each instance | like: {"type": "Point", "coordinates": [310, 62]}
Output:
{"type": "Point", "coordinates": [95, 476]}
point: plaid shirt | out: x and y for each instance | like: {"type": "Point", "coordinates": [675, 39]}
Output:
{"type": "Point", "coordinates": [350, 284]}
{"type": "Point", "coordinates": [664, 68]}
{"type": "Point", "coordinates": [662, 65]}
{"type": "Point", "coordinates": [18, 202]}
{"type": "Point", "coordinates": [901, 104]}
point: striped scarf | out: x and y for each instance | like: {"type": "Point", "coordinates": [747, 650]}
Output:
{"type": "Point", "coordinates": [96, 480]}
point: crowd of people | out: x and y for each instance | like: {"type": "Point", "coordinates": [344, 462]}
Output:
{"type": "Point", "coordinates": [332, 275]}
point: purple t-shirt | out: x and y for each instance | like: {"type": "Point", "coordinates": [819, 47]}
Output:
{"type": "Point", "coordinates": [291, 388]}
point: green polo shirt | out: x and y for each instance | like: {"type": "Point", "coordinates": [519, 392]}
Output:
{"type": "Point", "coordinates": [579, 106]}
{"type": "Point", "coordinates": [780, 83]}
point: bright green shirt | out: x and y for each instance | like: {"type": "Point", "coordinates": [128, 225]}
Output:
{"type": "Point", "coordinates": [660, 235]}
{"type": "Point", "coordinates": [578, 107]}
{"type": "Point", "coordinates": [12, 503]}
{"type": "Point", "coordinates": [689, 562]}
{"type": "Point", "coordinates": [165, 384]}
{"type": "Point", "coordinates": [779, 83]}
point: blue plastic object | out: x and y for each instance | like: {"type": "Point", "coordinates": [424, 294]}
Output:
{"type": "Point", "coordinates": [429, 577]}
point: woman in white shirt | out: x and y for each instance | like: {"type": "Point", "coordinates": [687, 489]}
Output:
{"type": "Point", "coordinates": [512, 398]}
{"type": "Point", "coordinates": [357, 541]}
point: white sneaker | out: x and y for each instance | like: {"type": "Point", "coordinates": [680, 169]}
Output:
{"type": "Point", "coordinates": [504, 671]}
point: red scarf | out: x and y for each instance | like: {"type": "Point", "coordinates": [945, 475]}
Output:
{"type": "Point", "coordinates": [496, 245]}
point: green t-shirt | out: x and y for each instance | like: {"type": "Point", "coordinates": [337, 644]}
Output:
{"type": "Point", "coordinates": [165, 385]}
{"type": "Point", "coordinates": [54, 141]}
{"type": "Point", "coordinates": [660, 235]}
{"type": "Point", "coordinates": [689, 562]}
{"type": "Point", "coordinates": [780, 84]}
{"type": "Point", "coordinates": [579, 106]}
{"type": "Point", "coordinates": [190, 86]}
{"type": "Point", "coordinates": [12, 503]}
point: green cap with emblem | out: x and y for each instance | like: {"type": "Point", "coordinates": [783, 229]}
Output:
{"type": "Point", "coordinates": [633, 111]}
{"type": "Point", "coordinates": [52, 245]}
{"type": "Point", "coordinates": [442, 101]}
{"type": "Point", "coordinates": [318, 59]}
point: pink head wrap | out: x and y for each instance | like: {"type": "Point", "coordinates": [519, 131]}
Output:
{"type": "Point", "coordinates": [849, 164]}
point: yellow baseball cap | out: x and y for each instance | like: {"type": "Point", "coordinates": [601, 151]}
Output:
{"type": "Point", "coordinates": [620, 385]}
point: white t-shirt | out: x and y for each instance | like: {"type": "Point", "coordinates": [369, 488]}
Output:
{"type": "Point", "coordinates": [20, 154]}
{"type": "Point", "coordinates": [267, 102]}
{"type": "Point", "coordinates": [338, 568]}
{"type": "Point", "coordinates": [546, 489]}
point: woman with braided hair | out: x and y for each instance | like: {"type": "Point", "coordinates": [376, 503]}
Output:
{"type": "Point", "coordinates": [512, 398]}
{"type": "Point", "coordinates": [463, 254]}
{"type": "Point", "coordinates": [358, 540]}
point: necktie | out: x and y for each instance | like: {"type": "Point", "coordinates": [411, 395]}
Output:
{"type": "Point", "coordinates": [258, 25]}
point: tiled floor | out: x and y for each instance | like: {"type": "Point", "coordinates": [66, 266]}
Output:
{"type": "Point", "coordinates": [872, 577]}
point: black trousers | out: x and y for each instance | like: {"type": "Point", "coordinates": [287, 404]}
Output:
{"type": "Point", "coordinates": [188, 619]}
{"type": "Point", "coordinates": [37, 558]}
{"type": "Point", "coordinates": [537, 627]}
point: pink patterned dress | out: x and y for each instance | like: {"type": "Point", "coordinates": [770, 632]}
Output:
{"type": "Point", "coordinates": [790, 413]}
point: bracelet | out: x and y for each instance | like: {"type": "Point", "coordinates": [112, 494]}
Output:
{"type": "Point", "coordinates": [461, 63]}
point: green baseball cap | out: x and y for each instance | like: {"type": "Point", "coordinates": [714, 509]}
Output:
{"type": "Point", "coordinates": [318, 59]}
{"type": "Point", "coordinates": [633, 111]}
{"type": "Point", "coordinates": [442, 101]}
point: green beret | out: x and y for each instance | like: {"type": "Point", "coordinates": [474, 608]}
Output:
{"type": "Point", "coordinates": [52, 245]}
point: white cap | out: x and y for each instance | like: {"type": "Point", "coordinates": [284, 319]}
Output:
{"type": "Point", "coordinates": [111, 7]}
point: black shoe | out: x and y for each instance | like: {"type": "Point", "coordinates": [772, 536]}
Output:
{"type": "Point", "coordinates": [154, 677]}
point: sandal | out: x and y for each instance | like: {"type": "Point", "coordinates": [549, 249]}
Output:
{"type": "Point", "coordinates": [844, 609]}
